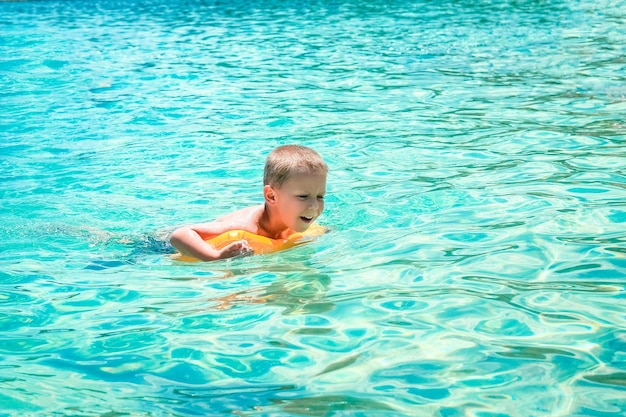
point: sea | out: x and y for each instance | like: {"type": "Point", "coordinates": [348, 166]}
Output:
{"type": "Point", "coordinates": [476, 202]}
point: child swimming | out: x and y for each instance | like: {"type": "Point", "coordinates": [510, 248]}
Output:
{"type": "Point", "coordinates": [294, 186]}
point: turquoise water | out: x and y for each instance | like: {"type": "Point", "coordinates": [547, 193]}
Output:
{"type": "Point", "coordinates": [477, 201]}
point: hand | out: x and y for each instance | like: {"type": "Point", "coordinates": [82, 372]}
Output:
{"type": "Point", "coordinates": [238, 248]}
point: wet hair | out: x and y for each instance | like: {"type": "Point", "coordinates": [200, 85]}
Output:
{"type": "Point", "coordinates": [289, 160]}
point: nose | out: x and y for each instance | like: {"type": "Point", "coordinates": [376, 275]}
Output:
{"type": "Point", "coordinates": [314, 204]}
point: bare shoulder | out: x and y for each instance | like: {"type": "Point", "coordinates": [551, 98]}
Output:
{"type": "Point", "coordinates": [244, 219]}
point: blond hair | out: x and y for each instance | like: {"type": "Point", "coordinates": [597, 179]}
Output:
{"type": "Point", "coordinates": [289, 160]}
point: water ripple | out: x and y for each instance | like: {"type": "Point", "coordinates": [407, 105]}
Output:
{"type": "Point", "coordinates": [476, 261]}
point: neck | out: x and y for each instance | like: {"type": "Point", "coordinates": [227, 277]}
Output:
{"type": "Point", "coordinates": [272, 229]}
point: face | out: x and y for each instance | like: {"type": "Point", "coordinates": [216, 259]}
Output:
{"type": "Point", "coordinates": [299, 201]}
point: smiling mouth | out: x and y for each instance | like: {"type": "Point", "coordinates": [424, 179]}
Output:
{"type": "Point", "coordinates": [306, 219]}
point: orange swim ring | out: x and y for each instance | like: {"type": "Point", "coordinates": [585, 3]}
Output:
{"type": "Point", "coordinates": [261, 244]}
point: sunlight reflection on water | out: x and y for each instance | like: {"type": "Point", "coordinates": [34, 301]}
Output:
{"type": "Point", "coordinates": [476, 259]}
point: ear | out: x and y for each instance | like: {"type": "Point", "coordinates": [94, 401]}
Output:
{"type": "Point", "coordinates": [269, 194]}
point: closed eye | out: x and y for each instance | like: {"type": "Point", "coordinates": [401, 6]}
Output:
{"type": "Point", "coordinates": [306, 196]}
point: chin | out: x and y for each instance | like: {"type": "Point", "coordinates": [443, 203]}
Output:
{"type": "Point", "coordinates": [302, 226]}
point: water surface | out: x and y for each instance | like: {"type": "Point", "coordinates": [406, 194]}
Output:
{"type": "Point", "coordinates": [477, 259]}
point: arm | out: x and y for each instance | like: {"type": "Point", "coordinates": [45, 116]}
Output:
{"type": "Point", "coordinates": [190, 241]}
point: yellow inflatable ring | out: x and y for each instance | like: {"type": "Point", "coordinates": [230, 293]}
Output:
{"type": "Point", "coordinates": [262, 244]}
{"type": "Point", "coordinates": [259, 244]}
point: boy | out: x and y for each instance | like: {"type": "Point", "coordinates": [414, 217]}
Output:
{"type": "Point", "coordinates": [294, 185]}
